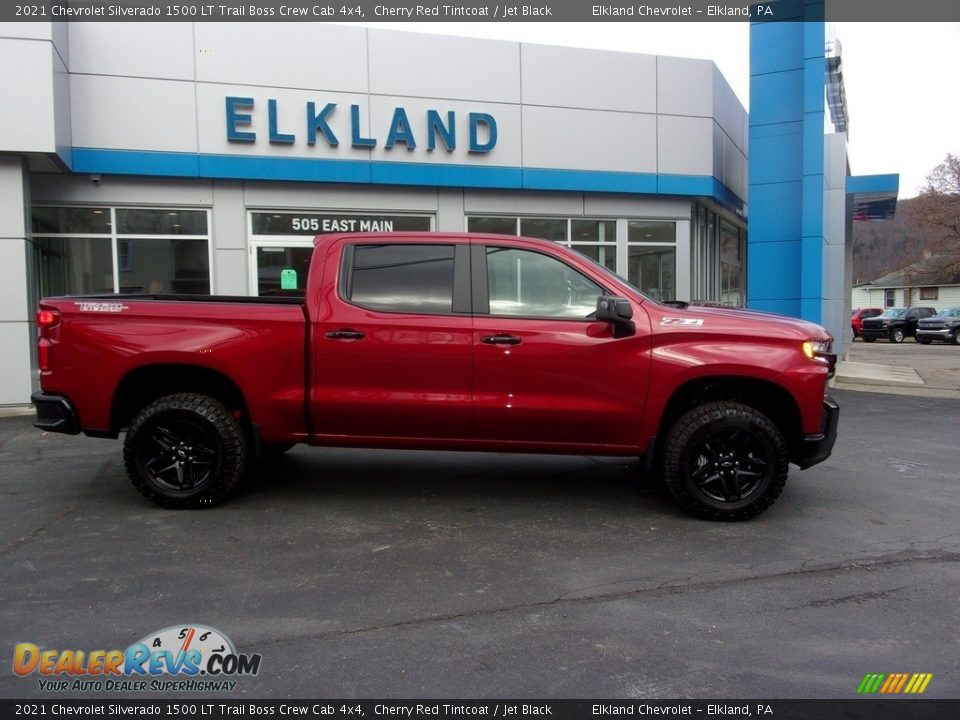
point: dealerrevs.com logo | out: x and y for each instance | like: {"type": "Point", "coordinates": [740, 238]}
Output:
{"type": "Point", "coordinates": [198, 658]}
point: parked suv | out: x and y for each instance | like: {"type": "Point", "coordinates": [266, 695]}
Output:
{"type": "Point", "coordinates": [894, 324]}
{"type": "Point", "coordinates": [944, 326]}
{"type": "Point", "coordinates": [859, 314]}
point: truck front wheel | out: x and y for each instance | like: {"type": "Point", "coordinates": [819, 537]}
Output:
{"type": "Point", "coordinates": [184, 451]}
{"type": "Point", "coordinates": [725, 461]}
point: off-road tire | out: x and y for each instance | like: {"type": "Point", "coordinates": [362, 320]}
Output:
{"type": "Point", "coordinates": [185, 451]}
{"type": "Point", "coordinates": [720, 446]}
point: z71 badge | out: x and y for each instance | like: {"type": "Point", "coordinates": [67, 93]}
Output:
{"type": "Point", "coordinates": [683, 322]}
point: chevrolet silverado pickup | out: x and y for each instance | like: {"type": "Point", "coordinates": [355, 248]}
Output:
{"type": "Point", "coordinates": [462, 342]}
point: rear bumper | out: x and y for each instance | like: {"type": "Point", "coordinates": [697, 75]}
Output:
{"type": "Point", "coordinates": [817, 447]}
{"type": "Point", "coordinates": [55, 414]}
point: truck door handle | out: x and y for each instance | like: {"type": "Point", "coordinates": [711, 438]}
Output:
{"type": "Point", "coordinates": [345, 335]}
{"type": "Point", "coordinates": [501, 339]}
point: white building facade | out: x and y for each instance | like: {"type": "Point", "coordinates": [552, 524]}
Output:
{"type": "Point", "coordinates": [204, 157]}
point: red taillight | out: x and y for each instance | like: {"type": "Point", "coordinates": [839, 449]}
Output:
{"type": "Point", "coordinates": [47, 319]}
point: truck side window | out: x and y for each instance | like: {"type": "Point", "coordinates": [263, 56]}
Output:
{"type": "Point", "coordinates": [414, 278]}
{"type": "Point", "coordinates": [531, 284]}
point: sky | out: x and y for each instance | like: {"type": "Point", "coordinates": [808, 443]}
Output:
{"type": "Point", "coordinates": [901, 79]}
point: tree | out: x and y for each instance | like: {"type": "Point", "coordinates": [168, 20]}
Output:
{"type": "Point", "coordinates": [938, 210]}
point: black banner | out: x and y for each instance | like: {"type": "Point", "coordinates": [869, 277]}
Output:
{"type": "Point", "coordinates": [208, 709]}
{"type": "Point", "coordinates": [481, 11]}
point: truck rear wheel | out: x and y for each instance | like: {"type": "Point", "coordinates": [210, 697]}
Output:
{"type": "Point", "coordinates": [725, 461]}
{"type": "Point", "coordinates": [185, 451]}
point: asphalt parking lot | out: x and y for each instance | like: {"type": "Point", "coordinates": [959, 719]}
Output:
{"type": "Point", "coordinates": [435, 575]}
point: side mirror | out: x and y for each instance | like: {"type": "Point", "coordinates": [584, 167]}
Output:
{"type": "Point", "coordinates": [618, 311]}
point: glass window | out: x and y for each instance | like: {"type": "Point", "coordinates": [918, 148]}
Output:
{"type": "Point", "coordinates": [605, 255]}
{"type": "Point", "coordinates": [161, 265]}
{"type": "Point", "coordinates": [75, 266]}
{"type": "Point", "coordinates": [126, 258]}
{"type": "Point", "coordinates": [651, 231]}
{"type": "Point", "coordinates": [161, 222]}
{"type": "Point", "coordinates": [653, 270]}
{"type": "Point", "coordinates": [731, 265]}
{"type": "Point", "coordinates": [403, 278]}
{"type": "Point", "coordinates": [547, 228]}
{"type": "Point", "coordinates": [929, 293]}
{"type": "Point", "coordinates": [888, 298]}
{"type": "Point", "coordinates": [60, 220]}
{"type": "Point", "coordinates": [530, 284]}
{"type": "Point", "coordinates": [498, 225]}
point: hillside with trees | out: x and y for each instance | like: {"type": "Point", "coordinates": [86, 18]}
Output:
{"type": "Point", "coordinates": [926, 224]}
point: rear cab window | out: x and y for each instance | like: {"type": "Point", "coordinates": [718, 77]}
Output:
{"type": "Point", "coordinates": [406, 277]}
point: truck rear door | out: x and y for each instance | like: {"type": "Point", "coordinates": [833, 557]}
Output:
{"type": "Point", "coordinates": [393, 341]}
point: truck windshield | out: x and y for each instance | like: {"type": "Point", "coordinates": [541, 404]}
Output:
{"type": "Point", "coordinates": [894, 312]}
{"type": "Point", "coordinates": [607, 272]}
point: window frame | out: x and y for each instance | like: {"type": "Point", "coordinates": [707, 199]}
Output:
{"type": "Point", "coordinates": [460, 303]}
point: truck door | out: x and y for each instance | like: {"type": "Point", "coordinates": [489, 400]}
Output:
{"type": "Point", "coordinates": [545, 371]}
{"type": "Point", "coordinates": [393, 341]}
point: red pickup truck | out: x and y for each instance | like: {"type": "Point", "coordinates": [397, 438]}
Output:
{"type": "Point", "coordinates": [441, 341]}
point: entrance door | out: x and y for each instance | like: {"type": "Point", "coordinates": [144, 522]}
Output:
{"type": "Point", "coordinates": [279, 266]}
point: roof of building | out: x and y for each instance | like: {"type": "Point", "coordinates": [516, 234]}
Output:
{"type": "Point", "coordinates": [935, 270]}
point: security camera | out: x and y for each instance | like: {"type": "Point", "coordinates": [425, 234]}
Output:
{"type": "Point", "coordinates": [95, 179]}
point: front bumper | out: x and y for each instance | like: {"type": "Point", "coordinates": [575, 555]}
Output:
{"type": "Point", "coordinates": [937, 334]}
{"type": "Point", "coordinates": [55, 414]}
{"type": "Point", "coordinates": [817, 447]}
{"type": "Point", "coordinates": [875, 333]}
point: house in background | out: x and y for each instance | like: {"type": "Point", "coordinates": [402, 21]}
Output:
{"type": "Point", "coordinates": [931, 282]}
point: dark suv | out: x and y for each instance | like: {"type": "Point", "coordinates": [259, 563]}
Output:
{"type": "Point", "coordinates": [943, 326]}
{"type": "Point", "coordinates": [895, 324]}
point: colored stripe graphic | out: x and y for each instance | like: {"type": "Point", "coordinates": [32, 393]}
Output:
{"type": "Point", "coordinates": [894, 683]}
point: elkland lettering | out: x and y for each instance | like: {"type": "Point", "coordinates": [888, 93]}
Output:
{"type": "Point", "coordinates": [327, 123]}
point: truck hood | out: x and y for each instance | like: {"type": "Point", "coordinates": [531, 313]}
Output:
{"type": "Point", "coordinates": [749, 321]}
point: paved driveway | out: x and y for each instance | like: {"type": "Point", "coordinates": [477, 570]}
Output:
{"type": "Point", "coordinates": [366, 574]}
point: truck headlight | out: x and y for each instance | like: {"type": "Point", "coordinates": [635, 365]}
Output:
{"type": "Point", "coordinates": [816, 349]}
{"type": "Point", "coordinates": [821, 351]}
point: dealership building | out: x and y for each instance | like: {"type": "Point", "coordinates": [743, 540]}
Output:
{"type": "Point", "coordinates": [204, 157]}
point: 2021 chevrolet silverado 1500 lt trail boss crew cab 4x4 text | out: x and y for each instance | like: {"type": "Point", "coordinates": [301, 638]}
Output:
{"type": "Point", "coordinates": [442, 341]}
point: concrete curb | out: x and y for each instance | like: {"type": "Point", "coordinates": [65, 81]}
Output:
{"type": "Point", "coordinates": [15, 410]}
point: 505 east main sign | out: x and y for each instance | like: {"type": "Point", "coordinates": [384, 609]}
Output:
{"type": "Point", "coordinates": [330, 123]}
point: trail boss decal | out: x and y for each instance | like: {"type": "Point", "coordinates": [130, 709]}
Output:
{"type": "Point", "coordinates": [110, 307]}
{"type": "Point", "coordinates": [683, 322]}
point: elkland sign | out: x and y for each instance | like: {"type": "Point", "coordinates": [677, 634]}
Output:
{"type": "Point", "coordinates": [330, 124]}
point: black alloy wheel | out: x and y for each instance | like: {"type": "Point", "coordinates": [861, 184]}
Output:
{"type": "Point", "coordinates": [185, 451]}
{"type": "Point", "coordinates": [725, 461]}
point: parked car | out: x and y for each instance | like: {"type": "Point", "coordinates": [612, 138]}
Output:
{"type": "Point", "coordinates": [859, 314]}
{"type": "Point", "coordinates": [442, 341]}
{"type": "Point", "coordinates": [894, 324]}
{"type": "Point", "coordinates": [944, 326]}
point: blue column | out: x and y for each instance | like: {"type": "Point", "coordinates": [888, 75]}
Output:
{"type": "Point", "coordinates": [785, 231]}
